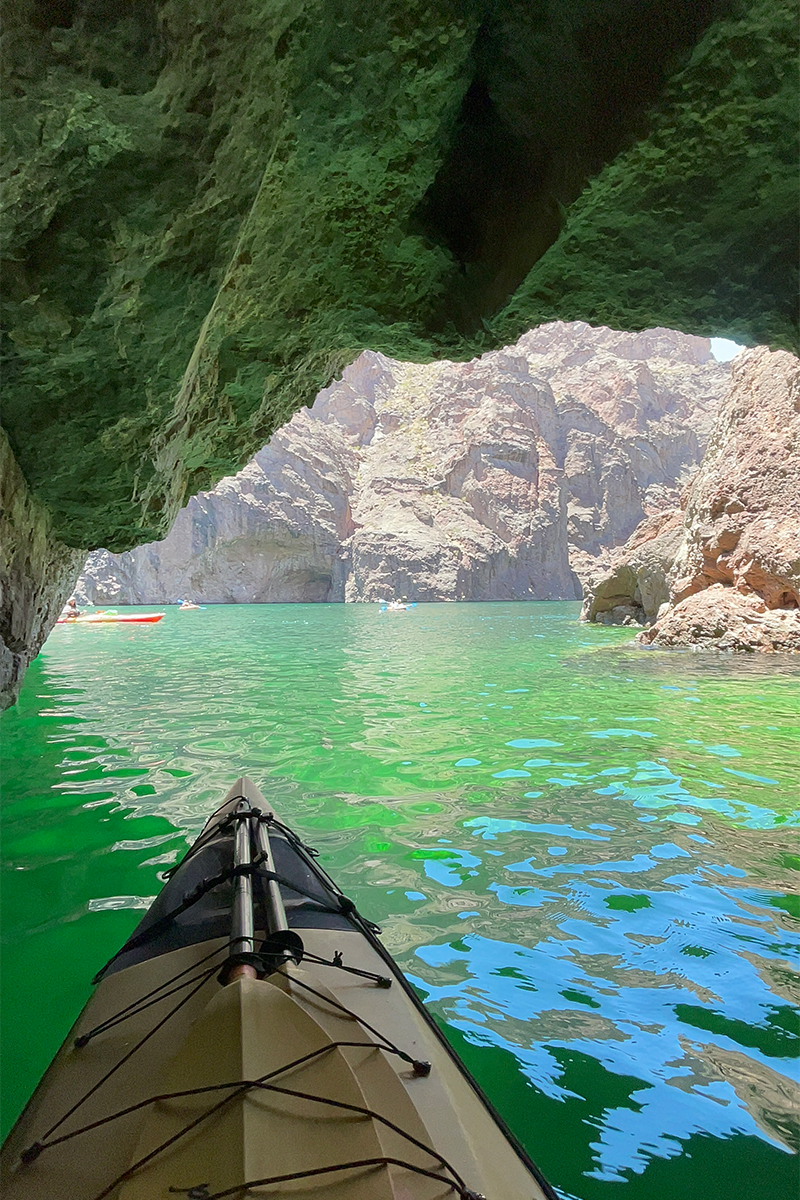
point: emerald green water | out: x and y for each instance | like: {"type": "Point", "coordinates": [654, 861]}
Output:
{"type": "Point", "coordinates": [584, 856]}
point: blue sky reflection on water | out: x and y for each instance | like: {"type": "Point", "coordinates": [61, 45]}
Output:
{"type": "Point", "coordinates": [617, 982]}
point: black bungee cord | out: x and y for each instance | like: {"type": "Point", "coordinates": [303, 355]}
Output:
{"type": "Point", "coordinates": [241, 1087]}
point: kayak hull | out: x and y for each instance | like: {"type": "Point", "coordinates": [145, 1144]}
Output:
{"type": "Point", "coordinates": [325, 1076]}
{"type": "Point", "coordinates": [101, 619]}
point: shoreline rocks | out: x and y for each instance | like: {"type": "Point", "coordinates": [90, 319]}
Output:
{"type": "Point", "coordinates": [731, 565]}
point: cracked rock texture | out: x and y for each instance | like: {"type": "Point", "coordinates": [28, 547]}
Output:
{"type": "Point", "coordinates": [473, 481]}
{"type": "Point", "coordinates": [37, 575]}
{"type": "Point", "coordinates": [733, 581]}
{"type": "Point", "coordinates": [213, 205]}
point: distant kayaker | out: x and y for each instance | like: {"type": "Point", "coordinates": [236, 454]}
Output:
{"type": "Point", "coordinates": [71, 609]}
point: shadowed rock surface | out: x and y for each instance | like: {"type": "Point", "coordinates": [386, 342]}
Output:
{"type": "Point", "coordinates": [472, 481]}
{"type": "Point", "coordinates": [732, 565]}
{"type": "Point", "coordinates": [634, 589]}
{"type": "Point", "coordinates": [211, 207]}
{"type": "Point", "coordinates": [37, 574]}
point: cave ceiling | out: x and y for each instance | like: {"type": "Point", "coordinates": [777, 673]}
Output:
{"type": "Point", "coordinates": [212, 205]}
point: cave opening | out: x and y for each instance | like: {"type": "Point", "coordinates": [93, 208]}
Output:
{"type": "Point", "coordinates": [555, 95]}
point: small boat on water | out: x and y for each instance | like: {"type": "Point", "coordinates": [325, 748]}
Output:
{"type": "Point", "coordinates": [254, 1038]}
{"type": "Point", "coordinates": [111, 618]}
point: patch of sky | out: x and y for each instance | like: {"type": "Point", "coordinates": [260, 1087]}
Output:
{"type": "Point", "coordinates": [511, 773]}
{"type": "Point", "coordinates": [724, 349]}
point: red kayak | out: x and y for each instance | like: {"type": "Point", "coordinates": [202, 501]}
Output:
{"type": "Point", "coordinates": [111, 619]}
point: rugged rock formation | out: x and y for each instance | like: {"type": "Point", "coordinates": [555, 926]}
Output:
{"type": "Point", "coordinates": [37, 574]}
{"type": "Point", "coordinates": [721, 618]}
{"type": "Point", "coordinates": [212, 207]}
{"type": "Point", "coordinates": [632, 591]}
{"type": "Point", "coordinates": [448, 481]}
{"type": "Point", "coordinates": [734, 575]}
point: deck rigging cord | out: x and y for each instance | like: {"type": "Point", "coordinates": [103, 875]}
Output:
{"type": "Point", "coordinates": [277, 943]}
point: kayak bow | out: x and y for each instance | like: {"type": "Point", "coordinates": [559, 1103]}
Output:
{"type": "Point", "coordinates": [253, 1037]}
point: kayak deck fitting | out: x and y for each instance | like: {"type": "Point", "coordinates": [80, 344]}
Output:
{"type": "Point", "coordinates": [254, 1038]}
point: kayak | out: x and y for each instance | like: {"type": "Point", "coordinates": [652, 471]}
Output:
{"type": "Point", "coordinates": [111, 619]}
{"type": "Point", "coordinates": [253, 1037]}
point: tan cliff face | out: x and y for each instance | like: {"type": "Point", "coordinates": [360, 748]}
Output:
{"type": "Point", "coordinates": [726, 572]}
{"type": "Point", "coordinates": [494, 479]}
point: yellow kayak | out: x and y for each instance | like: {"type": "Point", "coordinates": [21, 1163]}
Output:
{"type": "Point", "coordinates": [254, 1038]}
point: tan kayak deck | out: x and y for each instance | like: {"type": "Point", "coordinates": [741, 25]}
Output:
{"type": "Point", "coordinates": [214, 1091]}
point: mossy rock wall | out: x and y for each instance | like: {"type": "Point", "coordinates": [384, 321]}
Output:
{"type": "Point", "coordinates": [212, 206]}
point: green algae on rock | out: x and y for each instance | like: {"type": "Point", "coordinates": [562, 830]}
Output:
{"type": "Point", "coordinates": [261, 190]}
{"type": "Point", "coordinates": [697, 222]}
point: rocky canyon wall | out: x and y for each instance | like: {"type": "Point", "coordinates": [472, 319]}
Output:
{"type": "Point", "coordinates": [723, 572]}
{"type": "Point", "coordinates": [37, 574]}
{"type": "Point", "coordinates": [495, 479]}
{"type": "Point", "coordinates": [212, 207]}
